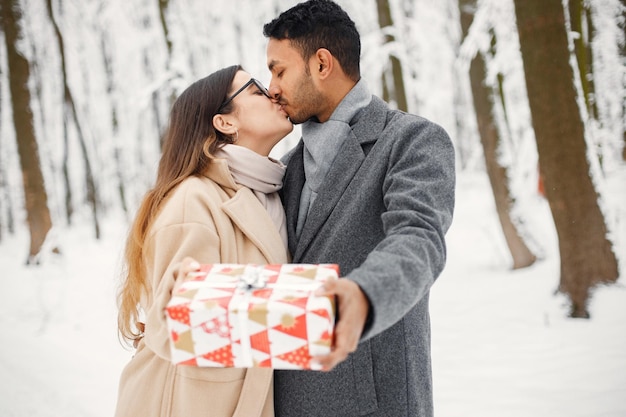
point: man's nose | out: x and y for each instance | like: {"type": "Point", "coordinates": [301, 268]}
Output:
{"type": "Point", "coordinates": [274, 92]}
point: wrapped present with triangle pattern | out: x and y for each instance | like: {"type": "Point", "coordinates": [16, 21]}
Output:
{"type": "Point", "coordinates": [236, 315]}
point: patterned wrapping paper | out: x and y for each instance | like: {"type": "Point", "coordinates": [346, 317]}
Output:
{"type": "Point", "coordinates": [235, 315]}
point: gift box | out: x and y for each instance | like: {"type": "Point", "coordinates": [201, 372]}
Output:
{"type": "Point", "coordinates": [233, 315]}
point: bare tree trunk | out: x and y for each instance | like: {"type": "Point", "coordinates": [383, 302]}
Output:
{"type": "Point", "coordinates": [483, 97]}
{"type": "Point", "coordinates": [622, 25]}
{"type": "Point", "coordinates": [35, 196]}
{"type": "Point", "coordinates": [6, 207]}
{"type": "Point", "coordinates": [579, 15]}
{"type": "Point", "coordinates": [587, 256]}
{"type": "Point", "coordinates": [393, 75]}
{"type": "Point", "coordinates": [7, 221]}
{"type": "Point", "coordinates": [3, 184]}
{"type": "Point", "coordinates": [70, 112]}
{"type": "Point", "coordinates": [466, 132]}
{"type": "Point", "coordinates": [108, 68]}
{"type": "Point", "coordinates": [163, 6]}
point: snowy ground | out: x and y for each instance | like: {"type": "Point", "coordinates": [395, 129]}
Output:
{"type": "Point", "coordinates": [502, 345]}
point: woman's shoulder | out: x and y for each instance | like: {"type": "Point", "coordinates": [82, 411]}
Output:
{"type": "Point", "coordinates": [193, 188]}
{"type": "Point", "coordinates": [190, 201]}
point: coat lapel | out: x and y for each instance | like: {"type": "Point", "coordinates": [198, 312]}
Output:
{"type": "Point", "coordinates": [247, 212]}
{"type": "Point", "coordinates": [345, 165]}
{"type": "Point", "coordinates": [291, 192]}
{"type": "Point", "coordinates": [367, 128]}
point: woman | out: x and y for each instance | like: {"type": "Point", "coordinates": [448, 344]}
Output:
{"type": "Point", "coordinates": [214, 200]}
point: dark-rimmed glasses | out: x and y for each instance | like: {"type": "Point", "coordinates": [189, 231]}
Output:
{"type": "Point", "coordinates": [254, 81]}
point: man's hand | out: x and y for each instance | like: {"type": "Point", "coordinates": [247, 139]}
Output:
{"type": "Point", "coordinates": [353, 308]}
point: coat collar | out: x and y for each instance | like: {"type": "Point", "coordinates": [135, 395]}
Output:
{"type": "Point", "coordinates": [219, 172]}
{"type": "Point", "coordinates": [247, 213]}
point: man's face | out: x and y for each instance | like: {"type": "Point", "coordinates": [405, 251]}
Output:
{"type": "Point", "coordinates": [291, 84]}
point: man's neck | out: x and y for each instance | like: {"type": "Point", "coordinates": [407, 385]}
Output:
{"type": "Point", "coordinates": [336, 92]}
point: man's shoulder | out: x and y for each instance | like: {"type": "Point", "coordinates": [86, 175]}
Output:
{"type": "Point", "coordinates": [399, 124]}
{"type": "Point", "coordinates": [394, 118]}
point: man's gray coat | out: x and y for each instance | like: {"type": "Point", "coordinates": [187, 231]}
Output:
{"type": "Point", "coordinates": [381, 214]}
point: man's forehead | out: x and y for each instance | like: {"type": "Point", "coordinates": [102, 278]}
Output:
{"type": "Point", "coordinates": [280, 51]}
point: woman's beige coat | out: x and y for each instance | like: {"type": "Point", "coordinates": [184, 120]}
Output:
{"type": "Point", "coordinates": [213, 220]}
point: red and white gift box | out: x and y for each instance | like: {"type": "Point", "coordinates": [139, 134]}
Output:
{"type": "Point", "coordinates": [235, 315]}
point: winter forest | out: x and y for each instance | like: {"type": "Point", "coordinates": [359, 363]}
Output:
{"type": "Point", "coordinates": [85, 90]}
{"type": "Point", "coordinates": [532, 92]}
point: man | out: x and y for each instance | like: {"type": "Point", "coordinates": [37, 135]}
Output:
{"type": "Point", "coordinates": [368, 188]}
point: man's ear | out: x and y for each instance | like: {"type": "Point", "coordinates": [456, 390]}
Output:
{"type": "Point", "coordinates": [325, 62]}
{"type": "Point", "coordinates": [223, 124]}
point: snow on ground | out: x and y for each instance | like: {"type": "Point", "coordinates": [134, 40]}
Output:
{"type": "Point", "coordinates": [502, 344]}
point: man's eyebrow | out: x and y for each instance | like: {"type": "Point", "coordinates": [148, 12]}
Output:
{"type": "Point", "coordinates": [272, 64]}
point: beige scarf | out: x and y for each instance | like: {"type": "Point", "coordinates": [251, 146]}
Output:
{"type": "Point", "coordinates": [263, 175]}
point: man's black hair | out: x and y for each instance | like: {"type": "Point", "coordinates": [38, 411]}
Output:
{"type": "Point", "coordinates": [315, 24]}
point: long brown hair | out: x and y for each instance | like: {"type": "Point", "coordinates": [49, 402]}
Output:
{"type": "Point", "coordinates": [190, 142]}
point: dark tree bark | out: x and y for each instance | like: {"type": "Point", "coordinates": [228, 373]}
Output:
{"type": "Point", "coordinates": [622, 24]}
{"type": "Point", "coordinates": [2, 165]}
{"type": "Point", "coordinates": [35, 196]}
{"type": "Point", "coordinates": [163, 6]}
{"type": "Point", "coordinates": [484, 97]}
{"type": "Point", "coordinates": [171, 95]}
{"type": "Point", "coordinates": [70, 113]}
{"type": "Point", "coordinates": [581, 23]}
{"type": "Point", "coordinates": [587, 256]}
{"type": "Point", "coordinates": [392, 78]}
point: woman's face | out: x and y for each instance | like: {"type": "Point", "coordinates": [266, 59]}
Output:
{"type": "Point", "coordinates": [260, 123]}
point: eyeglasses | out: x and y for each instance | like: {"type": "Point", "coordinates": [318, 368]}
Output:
{"type": "Point", "coordinates": [254, 81]}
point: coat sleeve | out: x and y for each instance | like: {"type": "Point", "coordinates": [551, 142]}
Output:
{"type": "Point", "coordinates": [190, 232]}
{"type": "Point", "coordinates": [418, 196]}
